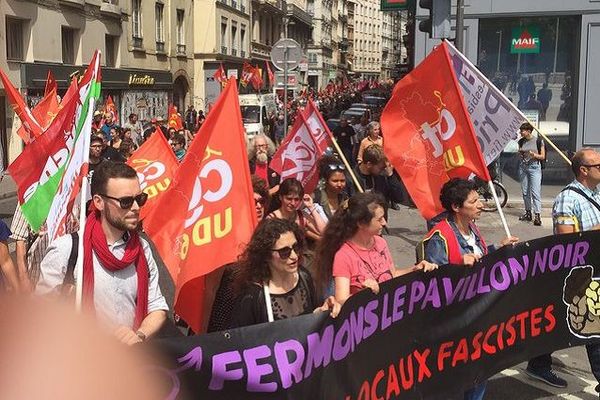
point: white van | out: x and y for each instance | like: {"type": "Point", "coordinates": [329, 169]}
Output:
{"type": "Point", "coordinates": [255, 109]}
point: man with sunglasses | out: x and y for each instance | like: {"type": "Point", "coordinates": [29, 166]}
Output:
{"type": "Point", "coordinates": [120, 275]}
{"type": "Point", "coordinates": [576, 209]}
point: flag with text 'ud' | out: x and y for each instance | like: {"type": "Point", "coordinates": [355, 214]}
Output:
{"type": "Point", "coordinates": [429, 138]}
{"type": "Point", "coordinates": [39, 168]}
{"type": "Point", "coordinates": [79, 150]}
{"type": "Point", "coordinates": [207, 215]}
{"type": "Point", "coordinates": [155, 164]}
{"type": "Point", "coordinates": [31, 126]}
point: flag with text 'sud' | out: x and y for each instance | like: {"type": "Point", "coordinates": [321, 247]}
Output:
{"type": "Point", "coordinates": [207, 215]}
{"type": "Point", "coordinates": [429, 138]}
{"type": "Point", "coordinates": [155, 164]}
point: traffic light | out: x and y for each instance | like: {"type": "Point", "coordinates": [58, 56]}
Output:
{"type": "Point", "coordinates": [438, 23]}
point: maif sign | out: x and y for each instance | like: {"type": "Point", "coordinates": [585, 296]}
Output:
{"type": "Point", "coordinates": [525, 39]}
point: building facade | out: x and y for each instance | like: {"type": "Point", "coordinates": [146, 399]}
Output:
{"type": "Point", "coordinates": [145, 62]}
{"type": "Point", "coordinates": [368, 37]}
{"type": "Point", "coordinates": [550, 50]}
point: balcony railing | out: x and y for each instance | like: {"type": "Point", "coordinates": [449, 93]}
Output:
{"type": "Point", "coordinates": [261, 49]}
{"type": "Point", "coordinates": [243, 54]}
{"type": "Point", "coordinates": [243, 8]}
{"type": "Point", "coordinates": [234, 52]}
{"type": "Point", "coordinates": [160, 47]}
{"type": "Point", "coordinates": [224, 50]}
{"type": "Point", "coordinates": [233, 3]}
{"type": "Point", "coordinates": [298, 14]}
{"type": "Point", "coordinates": [181, 49]}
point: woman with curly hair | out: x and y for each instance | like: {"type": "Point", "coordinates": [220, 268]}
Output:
{"type": "Point", "coordinates": [271, 283]}
{"type": "Point", "coordinates": [352, 252]}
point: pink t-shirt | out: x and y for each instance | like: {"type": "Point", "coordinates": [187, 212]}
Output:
{"type": "Point", "coordinates": [357, 264]}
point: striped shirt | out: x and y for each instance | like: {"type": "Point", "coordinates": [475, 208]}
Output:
{"type": "Point", "coordinates": [571, 208]}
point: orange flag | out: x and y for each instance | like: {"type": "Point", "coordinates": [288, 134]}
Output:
{"type": "Point", "coordinates": [31, 127]}
{"type": "Point", "coordinates": [174, 120]}
{"type": "Point", "coordinates": [270, 74]}
{"type": "Point", "coordinates": [43, 112]}
{"type": "Point", "coordinates": [109, 107]}
{"type": "Point", "coordinates": [429, 138]}
{"type": "Point", "coordinates": [155, 164]}
{"type": "Point", "coordinates": [210, 207]}
{"type": "Point", "coordinates": [50, 83]}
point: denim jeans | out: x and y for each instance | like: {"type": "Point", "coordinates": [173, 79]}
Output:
{"type": "Point", "coordinates": [593, 351]}
{"type": "Point", "coordinates": [531, 185]}
{"type": "Point", "coordinates": [476, 392]}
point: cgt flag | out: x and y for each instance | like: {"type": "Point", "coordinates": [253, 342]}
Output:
{"type": "Point", "coordinates": [248, 72]}
{"type": "Point", "coordinates": [210, 207]}
{"type": "Point", "coordinates": [43, 112]}
{"type": "Point", "coordinates": [50, 83]}
{"type": "Point", "coordinates": [429, 136]}
{"type": "Point", "coordinates": [155, 164]}
{"type": "Point", "coordinates": [111, 108]}
{"type": "Point", "coordinates": [220, 75]}
{"type": "Point", "coordinates": [270, 74]}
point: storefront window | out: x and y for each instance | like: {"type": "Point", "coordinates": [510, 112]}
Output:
{"type": "Point", "coordinates": [533, 61]}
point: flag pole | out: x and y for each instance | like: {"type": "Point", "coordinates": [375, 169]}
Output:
{"type": "Point", "coordinates": [81, 229]}
{"type": "Point", "coordinates": [350, 171]}
{"type": "Point", "coordinates": [551, 144]}
{"type": "Point", "coordinates": [502, 217]}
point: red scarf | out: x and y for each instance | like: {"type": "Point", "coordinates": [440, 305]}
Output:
{"type": "Point", "coordinates": [95, 240]}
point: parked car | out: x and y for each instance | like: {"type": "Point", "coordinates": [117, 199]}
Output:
{"type": "Point", "coordinates": [377, 101]}
{"type": "Point", "coordinates": [356, 112]}
{"type": "Point", "coordinates": [332, 123]}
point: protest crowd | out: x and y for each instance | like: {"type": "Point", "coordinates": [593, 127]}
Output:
{"type": "Point", "coordinates": [311, 230]}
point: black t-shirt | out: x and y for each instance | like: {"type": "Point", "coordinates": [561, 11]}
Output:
{"type": "Point", "coordinates": [343, 135]}
{"type": "Point", "coordinates": [112, 154]}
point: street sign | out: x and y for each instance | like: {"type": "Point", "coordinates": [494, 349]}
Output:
{"type": "Point", "coordinates": [292, 80]}
{"type": "Point", "coordinates": [293, 58]}
{"type": "Point", "coordinates": [394, 5]}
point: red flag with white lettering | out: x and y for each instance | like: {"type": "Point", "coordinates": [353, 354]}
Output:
{"type": "Point", "coordinates": [429, 138]}
{"type": "Point", "coordinates": [207, 215]}
{"type": "Point", "coordinates": [50, 83]}
{"type": "Point", "coordinates": [155, 164]}
{"type": "Point", "coordinates": [110, 107]}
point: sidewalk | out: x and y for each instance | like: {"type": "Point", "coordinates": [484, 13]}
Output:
{"type": "Point", "coordinates": [515, 198]}
{"type": "Point", "coordinates": [8, 188]}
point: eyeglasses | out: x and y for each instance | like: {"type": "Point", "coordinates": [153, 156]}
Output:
{"type": "Point", "coordinates": [127, 202]}
{"type": "Point", "coordinates": [286, 252]}
{"type": "Point", "coordinates": [336, 167]}
{"type": "Point", "coordinates": [597, 166]}
{"type": "Point", "coordinates": [262, 201]}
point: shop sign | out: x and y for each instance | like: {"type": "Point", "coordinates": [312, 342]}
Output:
{"type": "Point", "coordinates": [394, 5]}
{"type": "Point", "coordinates": [525, 39]}
{"type": "Point", "coordinates": [140, 80]}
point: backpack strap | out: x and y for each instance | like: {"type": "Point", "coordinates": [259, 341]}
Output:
{"type": "Point", "coordinates": [582, 193]}
{"type": "Point", "coordinates": [70, 275]}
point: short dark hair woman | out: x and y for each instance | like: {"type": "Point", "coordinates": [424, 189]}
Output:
{"type": "Point", "coordinates": [352, 252]}
{"type": "Point", "coordinates": [331, 192]}
{"type": "Point", "coordinates": [271, 283]}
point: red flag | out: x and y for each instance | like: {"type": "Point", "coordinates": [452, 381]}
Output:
{"type": "Point", "coordinates": [174, 120]}
{"type": "Point", "coordinates": [220, 75]}
{"type": "Point", "coordinates": [428, 134]}
{"type": "Point", "coordinates": [31, 126]}
{"type": "Point", "coordinates": [271, 75]}
{"type": "Point", "coordinates": [109, 107]}
{"type": "Point", "coordinates": [210, 207]}
{"type": "Point", "coordinates": [155, 164]}
{"type": "Point", "coordinates": [247, 74]}
{"type": "Point", "coordinates": [298, 154]}
{"type": "Point", "coordinates": [50, 83]}
{"type": "Point", "coordinates": [43, 112]}
{"type": "Point", "coordinates": [319, 129]}
{"type": "Point", "coordinates": [257, 80]}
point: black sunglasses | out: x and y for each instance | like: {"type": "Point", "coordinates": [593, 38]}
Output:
{"type": "Point", "coordinates": [286, 252]}
{"type": "Point", "coordinates": [592, 166]}
{"type": "Point", "coordinates": [127, 202]}
{"type": "Point", "coordinates": [262, 201]}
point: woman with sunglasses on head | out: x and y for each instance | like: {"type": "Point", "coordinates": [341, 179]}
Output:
{"type": "Point", "coordinates": [271, 283]}
{"type": "Point", "coordinates": [299, 208]}
{"type": "Point", "coordinates": [330, 193]}
{"type": "Point", "coordinates": [353, 253]}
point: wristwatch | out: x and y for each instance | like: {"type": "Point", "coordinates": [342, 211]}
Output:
{"type": "Point", "coordinates": [141, 335]}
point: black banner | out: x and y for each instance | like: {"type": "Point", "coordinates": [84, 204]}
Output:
{"type": "Point", "coordinates": [424, 335]}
